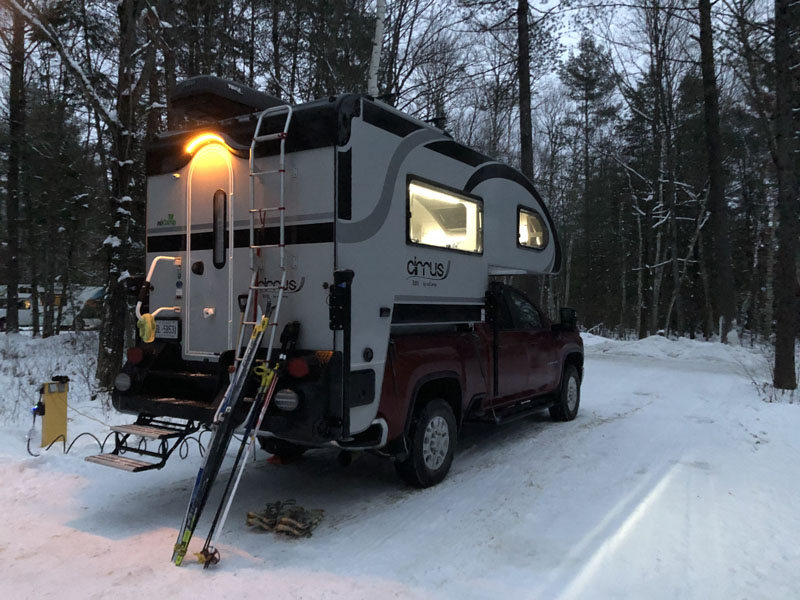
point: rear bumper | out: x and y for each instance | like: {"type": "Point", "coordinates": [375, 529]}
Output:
{"type": "Point", "coordinates": [162, 385]}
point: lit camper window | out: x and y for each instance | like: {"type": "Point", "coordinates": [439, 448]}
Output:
{"type": "Point", "coordinates": [532, 232]}
{"type": "Point", "coordinates": [219, 228]}
{"type": "Point", "coordinates": [444, 219]}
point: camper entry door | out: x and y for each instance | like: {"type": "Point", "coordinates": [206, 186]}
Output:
{"type": "Point", "coordinates": [207, 322]}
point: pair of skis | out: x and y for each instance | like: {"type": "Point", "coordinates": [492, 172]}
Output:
{"type": "Point", "coordinates": [223, 432]}
{"type": "Point", "coordinates": [209, 555]}
{"type": "Point", "coordinates": [223, 428]}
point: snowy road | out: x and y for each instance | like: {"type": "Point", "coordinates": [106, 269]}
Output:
{"type": "Point", "coordinates": [675, 481]}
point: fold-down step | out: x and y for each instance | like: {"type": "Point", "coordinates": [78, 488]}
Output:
{"type": "Point", "coordinates": [153, 432]}
{"type": "Point", "coordinates": [166, 435]}
{"type": "Point", "coordinates": [122, 462]}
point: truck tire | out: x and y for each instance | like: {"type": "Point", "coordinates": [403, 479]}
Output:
{"type": "Point", "coordinates": [432, 440]}
{"type": "Point", "coordinates": [569, 397]}
{"type": "Point", "coordinates": [281, 448]}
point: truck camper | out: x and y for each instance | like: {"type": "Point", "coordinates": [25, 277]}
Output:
{"type": "Point", "coordinates": [379, 235]}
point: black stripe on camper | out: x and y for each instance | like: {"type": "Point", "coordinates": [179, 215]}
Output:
{"type": "Point", "coordinates": [166, 243]}
{"type": "Point", "coordinates": [344, 185]}
{"type": "Point", "coordinates": [315, 233]}
{"type": "Point", "coordinates": [458, 152]}
{"type": "Point", "coordinates": [501, 171]}
{"type": "Point", "coordinates": [388, 121]}
{"type": "Point", "coordinates": [407, 314]}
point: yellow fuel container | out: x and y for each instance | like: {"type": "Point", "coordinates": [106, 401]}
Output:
{"type": "Point", "coordinates": [54, 419]}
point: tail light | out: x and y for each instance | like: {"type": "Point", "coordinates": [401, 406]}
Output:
{"type": "Point", "coordinates": [135, 355]}
{"type": "Point", "coordinates": [297, 368]}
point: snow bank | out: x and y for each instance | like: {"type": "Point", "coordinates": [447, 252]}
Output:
{"type": "Point", "coordinates": [683, 349]}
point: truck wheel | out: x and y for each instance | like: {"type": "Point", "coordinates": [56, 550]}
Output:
{"type": "Point", "coordinates": [569, 398]}
{"type": "Point", "coordinates": [432, 442]}
{"type": "Point", "coordinates": [281, 448]}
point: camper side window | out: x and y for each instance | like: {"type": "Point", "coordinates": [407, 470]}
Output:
{"type": "Point", "coordinates": [218, 225]}
{"type": "Point", "coordinates": [532, 231]}
{"type": "Point", "coordinates": [444, 219]}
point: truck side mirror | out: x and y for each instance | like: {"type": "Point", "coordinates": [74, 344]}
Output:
{"type": "Point", "coordinates": [568, 318]}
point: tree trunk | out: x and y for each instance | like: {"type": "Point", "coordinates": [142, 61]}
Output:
{"type": "Point", "coordinates": [623, 274]}
{"type": "Point", "coordinates": [276, 51]}
{"type": "Point", "coordinates": [644, 224]}
{"type": "Point", "coordinates": [16, 129]}
{"type": "Point", "coordinates": [112, 329]}
{"type": "Point", "coordinates": [768, 304]}
{"type": "Point", "coordinates": [724, 290]}
{"type": "Point", "coordinates": [787, 289]}
{"type": "Point", "coordinates": [524, 74]}
{"type": "Point", "coordinates": [35, 291]}
{"type": "Point", "coordinates": [167, 12]}
{"type": "Point", "coordinates": [708, 313]}
{"type": "Point", "coordinates": [377, 44]}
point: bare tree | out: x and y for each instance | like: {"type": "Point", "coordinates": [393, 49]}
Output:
{"type": "Point", "coordinates": [16, 129]}
{"type": "Point", "coordinates": [724, 289]}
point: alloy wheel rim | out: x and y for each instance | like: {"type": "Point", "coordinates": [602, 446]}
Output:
{"type": "Point", "coordinates": [572, 394]}
{"type": "Point", "coordinates": [435, 442]}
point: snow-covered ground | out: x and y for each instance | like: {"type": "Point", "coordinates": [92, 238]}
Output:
{"type": "Point", "coordinates": [675, 481]}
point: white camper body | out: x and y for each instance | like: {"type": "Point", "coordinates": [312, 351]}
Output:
{"type": "Point", "coordinates": [420, 220]}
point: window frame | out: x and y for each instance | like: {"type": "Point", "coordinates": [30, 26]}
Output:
{"type": "Point", "coordinates": [528, 209]}
{"type": "Point", "coordinates": [447, 190]}
{"type": "Point", "coordinates": [507, 294]}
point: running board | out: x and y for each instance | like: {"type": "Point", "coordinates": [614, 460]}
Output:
{"type": "Point", "coordinates": [512, 413]}
{"type": "Point", "coordinates": [168, 434]}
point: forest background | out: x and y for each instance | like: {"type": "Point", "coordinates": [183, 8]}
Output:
{"type": "Point", "coordinates": [662, 134]}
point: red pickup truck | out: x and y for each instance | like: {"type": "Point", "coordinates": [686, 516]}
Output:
{"type": "Point", "coordinates": [514, 362]}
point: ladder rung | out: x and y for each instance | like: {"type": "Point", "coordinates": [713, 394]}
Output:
{"type": "Point", "coordinates": [270, 172]}
{"type": "Point", "coordinates": [250, 322]}
{"type": "Point", "coordinates": [270, 136]}
{"type": "Point", "coordinates": [267, 246]}
{"type": "Point", "coordinates": [270, 209]}
{"type": "Point", "coordinates": [267, 287]}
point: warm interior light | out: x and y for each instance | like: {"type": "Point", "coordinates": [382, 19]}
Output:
{"type": "Point", "coordinates": [426, 192]}
{"type": "Point", "coordinates": [202, 140]}
{"type": "Point", "coordinates": [444, 220]}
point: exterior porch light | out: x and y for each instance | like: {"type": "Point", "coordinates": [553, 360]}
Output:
{"type": "Point", "coordinates": [202, 140]}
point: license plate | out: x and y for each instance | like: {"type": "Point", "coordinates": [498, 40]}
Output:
{"type": "Point", "coordinates": [167, 329]}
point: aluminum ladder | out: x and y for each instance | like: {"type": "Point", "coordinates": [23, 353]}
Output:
{"type": "Point", "coordinates": [262, 212]}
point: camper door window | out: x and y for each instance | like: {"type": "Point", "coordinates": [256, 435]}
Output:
{"type": "Point", "coordinates": [220, 211]}
{"type": "Point", "coordinates": [444, 219]}
{"type": "Point", "coordinates": [532, 232]}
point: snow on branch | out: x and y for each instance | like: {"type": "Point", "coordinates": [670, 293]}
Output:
{"type": "Point", "coordinates": [50, 34]}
